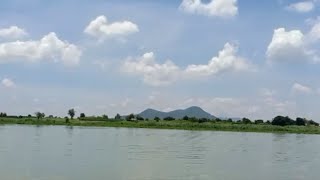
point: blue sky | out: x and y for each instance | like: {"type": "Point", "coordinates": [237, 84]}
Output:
{"type": "Point", "coordinates": [233, 58]}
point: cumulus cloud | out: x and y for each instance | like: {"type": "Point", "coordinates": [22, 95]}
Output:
{"type": "Point", "coordinates": [301, 7]}
{"type": "Point", "coordinates": [217, 8]}
{"type": "Point", "coordinates": [50, 47]}
{"type": "Point", "coordinates": [157, 74]}
{"type": "Point", "coordinates": [8, 83]}
{"type": "Point", "coordinates": [289, 46]}
{"type": "Point", "coordinates": [299, 88]}
{"type": "Point", "coordinates": [100, 28]}
{"type": "Point", "coordinates": [153, 73]}
{"type": "Point", "coordinates": [12, 32]}
{"type": "Point", "coordinates": [314, 34]}
{"type": "Point", "coordinates": [227, 60]}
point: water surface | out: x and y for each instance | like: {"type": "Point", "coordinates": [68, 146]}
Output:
{"type": "Point", "coordinates": [83, 153]}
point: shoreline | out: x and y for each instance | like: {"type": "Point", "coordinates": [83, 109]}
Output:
{"type": "Point", "coordinates": [177, 124]}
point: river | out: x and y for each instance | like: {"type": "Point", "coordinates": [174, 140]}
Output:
{"type": "Point", "coordinates": [87, 153]}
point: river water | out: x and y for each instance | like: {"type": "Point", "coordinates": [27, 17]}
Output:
{"type": "Point", "coordinates": [87, 153]}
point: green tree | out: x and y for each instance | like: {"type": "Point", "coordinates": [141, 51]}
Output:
{"type": "Point", "coordinates": [259, 121]}
{"type": "Point", "coordinates": [186, 118]}
{"type": "Point", "coordinates": [82, 115]}
{"type": "Point", "coordinates": [117, 117]}
{"type": "Point", "coordinates": [105, 117]}
{"type": "Point", "coordinates": [39, 115]}
{"type": "Point", "coordinates": [67, 119]}
{"type": "Point", "coordinates": [300, 121]}
{"type": "Point", "coordinates": [139, 118]}
{"type": "Point", "coordinates": [311, 122]}
{"type": "Point", "coordinates": [130, 117]}
{"type": "Point", "coordinates": [71, 113]}
{"type": "Point", "coordinates": [282, 121]}
{"type": "Point", "coordinates": [157, 119]}
{"type": "Point", "coordinates": [169, 118]}
{"type": "Point", "coordinates": [246, 121]}
{"type": "Point", "coordinates": [3, 114]}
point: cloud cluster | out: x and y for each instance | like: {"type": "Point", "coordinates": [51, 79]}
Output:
{"type": "Point", "coordinates": [294, 45]}
{"type": "Point", "coordinates": [50, 47]}
{"type": "Point", "coordinates": [301, 7]}
{"type": "Point", "coordinates": [299, 88]}
{"type": "Point", "coordinates": [12, 32]}
{"type": "Point", "coordinates": [8, 83]}
{"type": "Point", "coordinates": [156, 74]}
{"type": "Point", "coordinates": [100, 28]}
{"type": "Point", "coordinates": [217, 8]}
{"type": "Point", "coordinates": [227, 60]}
{"type": "Point", "coordinates": [153, 73]}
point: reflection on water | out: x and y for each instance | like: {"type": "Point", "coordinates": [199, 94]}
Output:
{"type": "Point", "coordinates": [76, 153]}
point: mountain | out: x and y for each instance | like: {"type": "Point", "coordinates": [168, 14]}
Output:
{"type": "Point", "coordinates": [193, 111]}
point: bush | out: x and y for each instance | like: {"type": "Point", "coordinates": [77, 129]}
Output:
{"type": "Point", "coordinates": [117, 117]}
{"type": "Point", "coordinates": [67, 119]}
{"type": "Point", "coordinates": [130, 117]}
{"type": "Point", "coordinates": [259, 121]}
{"type": "Point", "coordinates": [82, 115]}
{"type": "Point", "coordinates": [105, 117]}
{"type": "Point", "coordinates": [246, 121]}
{"type": "Point", "coordinates": [203, 120]}
{"type": "Point", "coordinates": [169, 118]}
{"type": "Point", "coordinates": [283, 121]}
{"type": "Point", "coordinates": [218, 120]}
{"type": "Point", "coordinates": [157, 119]}
{"type": "Point", "coordinates": [139, 118]}
{"type": "Point", "coordinates": [300, 122]}
{"type": "Point", "coordinates": [3, 114]}
{"type": "Point", "coordinates": [311, 122]}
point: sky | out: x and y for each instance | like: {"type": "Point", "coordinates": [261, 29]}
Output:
{"type": "Point", "coordinates": [233, 58]}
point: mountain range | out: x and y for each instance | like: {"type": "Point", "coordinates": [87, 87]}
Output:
{"type": "Point", "coordinates": [193, 111]}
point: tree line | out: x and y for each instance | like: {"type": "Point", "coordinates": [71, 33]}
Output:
{"type": "Point", "coordinates": [278, 120]}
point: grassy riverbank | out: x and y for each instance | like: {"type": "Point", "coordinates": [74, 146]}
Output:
{"type": "Point", "coordinates": [176, 124]}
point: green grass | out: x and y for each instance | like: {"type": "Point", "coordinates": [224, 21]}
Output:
{"type": "Point", "coordinates": [177, 124]}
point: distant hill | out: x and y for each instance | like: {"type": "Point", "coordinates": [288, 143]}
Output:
{"type": "Point", "coordinates": [193, 111]}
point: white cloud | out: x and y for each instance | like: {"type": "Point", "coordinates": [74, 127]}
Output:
{"type": "Point", "coordinates": [314, 34]}
{"type": "Point", "coordinates": [8, 83]}
{"type": "Point", "coordinates": [156, 74]}
{"type": "Point", "coordinates": [289, 46]}
{"type": "Point", "coordinates": [153, 73]}
{"type": "Point", "coordinates": [101, 28]}
{"type": "Point", "coordinates": [227, 60]}
{"type": "Point", "coordinates": [299, 88]}
{"type": "Point", "coordinates": [218, 8]}
{"type": "Point", "coordinates": [12, 32]}
{"type": "Point", "coordinates": [301, 7]}
{"type": "Point", "coordinates": [49, 47]}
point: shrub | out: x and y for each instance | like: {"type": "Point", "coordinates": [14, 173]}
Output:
{"type": "Point", "coordinates": [282, 121]}
{"type": "Point", "coordinates": [67, 119]}
{"type": "Point", "coordinates": [157, 119]}
{"type": "Point", "coordinates": [311, 122]}
{"type": "Point", "coordinates": [105, 117]}
{"type": "Point", "coordinates": [259, 121]}
{"type": "Point", "coordinates": [139, 118]}
{"type": "Point", "coordinates": [246, 121]}
{"type": "Point", "coordinates": [169, 118]}
{"type": "Point", "coordinates": [82, 115]}
{"type": "Point", "coordinates": [300, 121]}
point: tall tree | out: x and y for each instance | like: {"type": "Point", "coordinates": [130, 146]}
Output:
{"type": "Point", "coordinates": [39, 115]}
{"type": "Point", "coordinates": [72, 113]}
